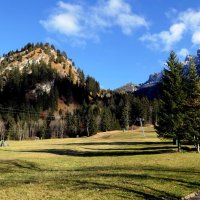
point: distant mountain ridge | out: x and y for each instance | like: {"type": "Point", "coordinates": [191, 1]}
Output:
{"type": "Point", "coordinates": [128, 88]}
{"type": "Point", "coordinates": [154, 79]}
{"type": "Point", "coordinates": [157, 77]}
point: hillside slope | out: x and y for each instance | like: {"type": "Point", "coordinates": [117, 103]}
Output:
{"type": "Point", "coordinates": [35, 54]}
{"type": "Point", "coordinates": [36, 72]}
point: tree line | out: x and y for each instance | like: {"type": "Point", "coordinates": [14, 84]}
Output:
{"type": "Point", "coordinates": [26, 111]}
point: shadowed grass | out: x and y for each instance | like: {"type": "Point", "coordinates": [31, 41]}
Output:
{"type": "Point", "coordinates": [122, 165]}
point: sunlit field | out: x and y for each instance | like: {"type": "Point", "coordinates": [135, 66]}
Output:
{"type": "Point", "coordinates": [113, 165]}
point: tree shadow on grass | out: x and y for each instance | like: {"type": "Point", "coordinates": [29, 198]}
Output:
{"type": "Point", "coordinates": [123, 152]}
{"type": "Point", "coordinates": [159, 177]}
{"type": "Point", "coordinates": [19, 170]}
{"type": "Point", "coordinates": [11, 165]}
{"type": "Point", "coordinates": [134, 149]}
{"type": "Point", "coordinates": [132, 181]}
{"type": "Point", "coordinates": [134, 190]}
{"type": "Point", "coordinates": [115, 143]}
{"type": "Point", "coordinates": [144, 190]}
{"type": "Point", "coordinates": [159, 169]}
{"type": "Point", "coordinates": [151, 149]}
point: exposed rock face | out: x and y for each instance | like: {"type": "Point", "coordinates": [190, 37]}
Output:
{"type": "Point", "coordinates": [154, 78]}
{"type": "Point", "coordinates": [152, 81]}
{"type": "Point", "coordinates": [128, 88]}
{"type": "Point", "coordinates": [37, 54]}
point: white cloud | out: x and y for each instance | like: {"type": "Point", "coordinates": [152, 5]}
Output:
{"type": "Point", "coordinates": [80, 21]}
{"type": "Point", "coordinates": [114, 7]}
{"type": "Point", "coordinates": [66, 20]}
{"type": "Point", "coordinates": [166, 39]}
{"type": "Point", "coordinates": [183, 52]}
{"type": "Point", "coordinates": [186, 23]}
{"type": "Point", "coordinates": [196, 38]}
{"type": "Point", "coordinates": [63, 23]}
{"type": "Point", "coordinates": [190, 18]}
{"type": "Point", "coordinates": [129, 22]}
{"type": "Point", "coordinates": [172, 36]}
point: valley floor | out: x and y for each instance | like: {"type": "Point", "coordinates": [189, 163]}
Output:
{"type": "Point", "coordinates": [113, 165]}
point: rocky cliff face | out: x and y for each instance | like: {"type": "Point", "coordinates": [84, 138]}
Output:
{"type": "Point", "coordinates": [152, 81]}
{"type": "Point", "coordinates": [128, 88]}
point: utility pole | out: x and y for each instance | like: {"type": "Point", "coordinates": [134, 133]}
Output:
{"type": "Point", "coordinates": [139, 119]}
{"type": "Point", "coordinates": [141, 125]}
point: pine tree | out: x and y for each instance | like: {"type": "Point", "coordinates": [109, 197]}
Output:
{"type": "Point", "coordinates": [92, 86]}
{"type": "Point", "coordinates": [125, 116]}
{"type": "Point", "coordinates": [106, 119]}
{"type": "Point", "coordinates": [92, 124]}
{"type": "Point", "coordinates": [192, 105]}
{"type": "Point", "coordinates": [171, 115]}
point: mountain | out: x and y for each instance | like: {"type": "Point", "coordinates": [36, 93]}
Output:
{"type": "Point", "coordinates": [35, 54]}
{"type": "Point", "coordinates": [150, 88]}
{"type": "Point", "coordinates": [42, 77]}
{"type": "Point", "coordinates": [157, 77]}
{"type": "Point", "coordinates": [128, 88]}
{"type": "Point", "coordinates": [153, 80]}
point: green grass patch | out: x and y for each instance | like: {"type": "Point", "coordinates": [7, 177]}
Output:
{"type": "Point", "coordinates": [115, 165]}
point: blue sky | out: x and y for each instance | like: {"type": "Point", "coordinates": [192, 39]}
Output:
{"type": "Point", "coordinates": [115, 41]}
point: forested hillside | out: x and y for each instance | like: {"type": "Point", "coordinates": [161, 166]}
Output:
{"type": "Point", "coordinates": [43, 94]}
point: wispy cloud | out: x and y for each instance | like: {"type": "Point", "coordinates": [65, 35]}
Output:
{"type": "Point", "coordinates": [191, 19]}
{"type": "Point", "coordinates": [187, 22]}
{"type": "Point", "coordinates": [165, 39]}
{"type": "Point", "coordinates": [84, 22]}
{"type": "Point", "coordinates": [196, 37]}
{"type": "Point", "coordinates": [183, 52]}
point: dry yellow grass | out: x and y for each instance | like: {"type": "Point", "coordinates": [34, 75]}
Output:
{"type": "Point", "coordinates": [114, 165]}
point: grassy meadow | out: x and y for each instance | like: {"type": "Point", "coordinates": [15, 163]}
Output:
{"type": "Point", "coordinates": [113, 165]}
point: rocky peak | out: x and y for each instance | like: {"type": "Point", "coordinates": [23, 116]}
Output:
{"type": "Point", "coordinates": [155, 78]}
{"type": "Point", "coordinates": [128, 88]}
{"type": "Point", "coordinates": [34, 54]}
